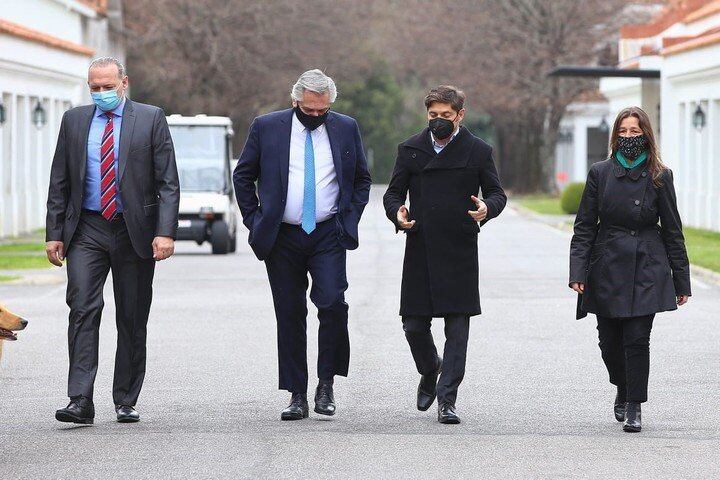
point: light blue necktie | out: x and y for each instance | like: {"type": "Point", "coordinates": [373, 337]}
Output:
{"type": "Point", "coordinates": [308, 212]}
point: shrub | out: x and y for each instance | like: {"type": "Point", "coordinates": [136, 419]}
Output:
{"type": "Point", "coordinates": [570, 198]}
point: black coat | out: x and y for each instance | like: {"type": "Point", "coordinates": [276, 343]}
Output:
{"type": "Point", "coordinates": [630, 265]}
{"type": "Point", "coordinates": [440, 270]}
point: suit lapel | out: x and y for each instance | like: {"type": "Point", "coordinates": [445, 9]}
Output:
{"type": "Point", "coordinates": [126, 133]}
{"type": "Point", "coordinates": [333, 134]}
{"type": "Point", "coordinates": [85, 122]}
{"type": "Point", "coordinates": [455, 154]}
{"type": "Point", "coordinates": [284, 148]}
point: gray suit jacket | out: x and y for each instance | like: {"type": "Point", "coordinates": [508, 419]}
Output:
{"type": "Point", "coordinates": [148, 176]}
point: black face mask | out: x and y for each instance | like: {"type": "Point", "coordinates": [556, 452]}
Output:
{"type": "Point", "coordinates": [309, 121]}
{"type": "Point", "coordinates": [632, 147]}
{"type": "Point", "coordinates": [442, 128]}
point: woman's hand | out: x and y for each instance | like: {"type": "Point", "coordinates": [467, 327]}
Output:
{"type": "Point", "coordinates": [578, 287]}
{"type": "Point", "coordinates": [682, 299]}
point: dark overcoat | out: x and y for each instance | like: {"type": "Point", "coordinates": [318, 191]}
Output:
{"type": "Point", "coordinates": [628, 247]}
{"type": "Point", "coordinates": [440, 269]}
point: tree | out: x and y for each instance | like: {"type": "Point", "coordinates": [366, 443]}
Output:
{"type": "Point", "coordinates": [378, 103]}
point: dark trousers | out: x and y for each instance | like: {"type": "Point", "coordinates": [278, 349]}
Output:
{"type": "Point", "coordinates": [98, 247]}
{"type": "Point", "coordinates": [294, 255]}
{"type": "Point", "coordinates": [422, 346]}
{"type": "Point", "coordinates": [625, 348]}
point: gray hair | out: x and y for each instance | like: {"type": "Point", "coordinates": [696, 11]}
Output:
{"type": "Point", "coordinates": [105, 61]}
{"type": "Point", "coordinates": [314, 81]}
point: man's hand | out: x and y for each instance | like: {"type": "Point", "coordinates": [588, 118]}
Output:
{"type": "Point", "coordinates": [682, 299]}
{"type": "Point", "coordinates": [163, 247]}
{"type": "Point", "coordinates": [578, 287]}
{"type": "Point", "coordinates": [402, 218]}
{"type": "Point", "coordinates": [481, 212]}
{"type": "Point", "coordinates": [55, 252]}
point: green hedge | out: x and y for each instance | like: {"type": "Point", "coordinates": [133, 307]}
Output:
{"type": "Point", "coordinates": [570, 199]}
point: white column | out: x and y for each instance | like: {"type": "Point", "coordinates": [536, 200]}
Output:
{"type": "Point", "coordinates": [710, 173]}
{"type": "Point", "coordinates": [580, 168]}
{"type": "Point", "coordinates": [39, 154]}
{"type": "Point", "coordinates": [3, 200]}
{"type": "Point", "coordinates": [15, 118]}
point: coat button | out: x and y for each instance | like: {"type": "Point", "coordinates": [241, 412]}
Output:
{"type": "Point", "coordinates": [644, 173]}
{"type": "Point", "coordinates": [414, 155]}
{"type": "Point", "coordinates": [632, 232]}
{"type": "Point", "coordinates": [637, 202]}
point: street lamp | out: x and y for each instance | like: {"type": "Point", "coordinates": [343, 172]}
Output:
{"type": "Point", "coordinates": [2, 114]}
{"type": "Point", "coordinates": [604, 127]}
{"type": "Point", "coordinates": [699, 120]}
{"type": "Point", "coordinates": [39, 116]}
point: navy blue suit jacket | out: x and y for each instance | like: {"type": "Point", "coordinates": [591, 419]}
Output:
{"type": "Point", "coordinates": [265, 160]}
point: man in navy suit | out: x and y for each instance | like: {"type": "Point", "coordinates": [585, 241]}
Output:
{"type": "Point", "coordinates": [312, 186]}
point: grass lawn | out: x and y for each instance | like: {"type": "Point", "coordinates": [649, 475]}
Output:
{"type": "Point", "coordinates": [543, 204]}
{"type": "Point", "coordinates": [7, 278]}
{"type": "Point", "coordinates": [703, 247]}
{"type": "Point", "coordinates": [22, 255]}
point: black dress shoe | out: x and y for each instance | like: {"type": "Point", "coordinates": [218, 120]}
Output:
{"type": "Point", "coordinates": [80, 410]}
{"type": "Point", "coordinates": [298, 408]}
{"type": "Point", "coordinates": [633, 421]}
{"type": "Point", "coordinates": [446, 414]}
{"type": "Point", "coordinates": [126, 414]}
{"type": "Point", "coordinates": [619, 406]}
{"type": "Point", "coordinates": [427, 389]}
{"type": "Point", "coordinates": [324, 399]}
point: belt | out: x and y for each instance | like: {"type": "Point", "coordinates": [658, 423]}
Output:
{"type": "Point", "coordinates": [642, 232]}
{"type": "Point", "coordinates": [118, 216]}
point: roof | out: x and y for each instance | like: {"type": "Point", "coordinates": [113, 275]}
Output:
{"type": "Point", "coordinates": [204, 120]}
{"type": "Point", "coordinates": [99, 6]}
{"type": "Point", "coordinates": [677, 11]}
{"type": "Point", "coordinates": [20, 31]}
{"type": "Point", "coordinates": [682, 44]}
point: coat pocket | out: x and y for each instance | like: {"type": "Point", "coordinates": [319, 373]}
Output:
{"type": "Point", "coordinates": [151, 209]}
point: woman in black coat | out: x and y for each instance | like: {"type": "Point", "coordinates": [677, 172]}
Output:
{"type": "Point", "coordinates": [625, 266]}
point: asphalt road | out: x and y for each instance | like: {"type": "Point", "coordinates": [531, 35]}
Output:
{"type": "Point", "coordinates": [535, 402]}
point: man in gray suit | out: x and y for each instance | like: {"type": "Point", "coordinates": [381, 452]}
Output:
{"type": "Point", "coordinates": [112, 206]}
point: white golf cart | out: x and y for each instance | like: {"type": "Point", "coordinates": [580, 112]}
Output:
{"type": "Point", "coordinates": [208, 210]}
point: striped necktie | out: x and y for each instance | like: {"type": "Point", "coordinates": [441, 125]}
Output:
{"type": "Point", "coordinates": [108, 189]}
{"type": "Point", "coordinates": [308, 211]}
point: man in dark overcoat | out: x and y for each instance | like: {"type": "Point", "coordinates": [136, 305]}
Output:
{"type": "Point", "coordinates": [443, 168]}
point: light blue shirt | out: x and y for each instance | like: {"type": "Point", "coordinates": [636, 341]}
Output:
{"type": "Point", "coordinates": [436, 146]}
{"type": "Point", "coordinates": [91, 198]}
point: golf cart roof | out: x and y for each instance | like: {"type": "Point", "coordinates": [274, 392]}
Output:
{"type": "Point", "coordinates": [202, 119]}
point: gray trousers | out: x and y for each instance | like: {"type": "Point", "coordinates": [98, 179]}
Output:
{"type": "Point", "coordinates": [98, 247]}
{"type": "Point", "coordinates": [424, 352]}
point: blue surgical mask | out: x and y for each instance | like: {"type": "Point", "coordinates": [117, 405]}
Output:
{"type": "Point", "coordinates": [107, 100]}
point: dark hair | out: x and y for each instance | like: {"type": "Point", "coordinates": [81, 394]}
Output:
{"type": "Point", "coordinates": [446, 94]}
{"type": "Point", "coordinates": [654, 163]}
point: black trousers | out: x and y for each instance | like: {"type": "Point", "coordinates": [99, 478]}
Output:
{"type": "Point", "coordinates": [625, 348]}
{"type": "Point", "coordinates": [294, 255]}
{"type": "Point", "coordinates": [98, 247]}
{"type": "Point", "coordinates": [422, 346]}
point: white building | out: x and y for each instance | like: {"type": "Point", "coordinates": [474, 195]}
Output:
{"type": "Point", "coordinates": [670, 67]}
{"type": "Point", "coordinates": [583, 138]}
{"type": "Point", "coordinates": [683, 43]}
{"type": "Point", "coordinates": [45, 48]}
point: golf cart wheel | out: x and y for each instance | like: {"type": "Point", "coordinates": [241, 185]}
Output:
{"type": "Point", "coordinates": [219, 238]}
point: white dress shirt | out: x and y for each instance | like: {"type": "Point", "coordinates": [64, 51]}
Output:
{"type": "Point", "coordinates": [327, 190]}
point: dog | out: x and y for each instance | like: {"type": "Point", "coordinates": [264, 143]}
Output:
{"type": "Point", "coordinates": [9, 324]}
